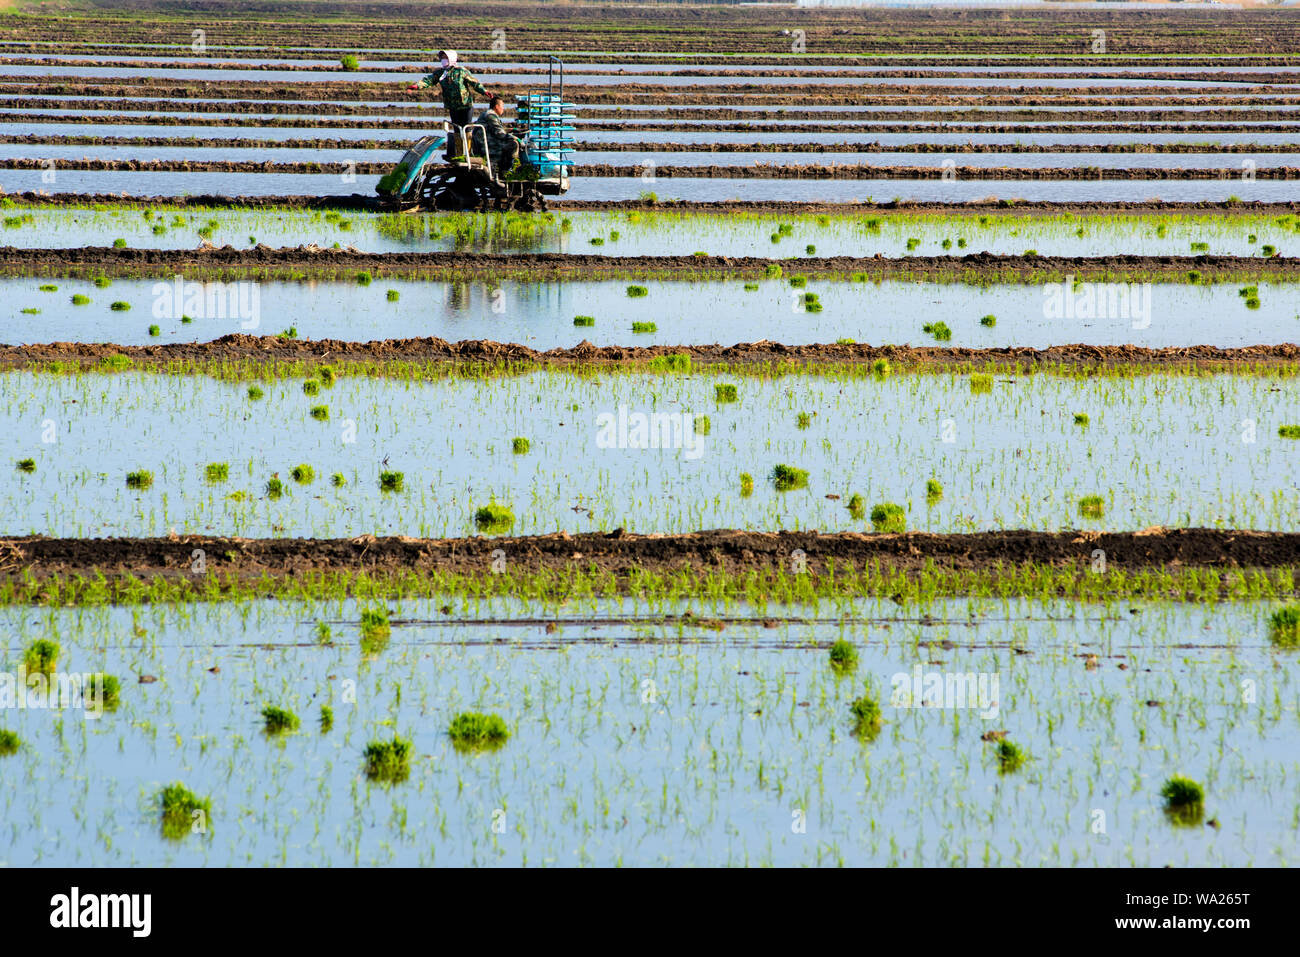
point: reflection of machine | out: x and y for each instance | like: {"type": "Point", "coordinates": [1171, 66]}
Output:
{"type": "Point", "coordinates": [468, 178]}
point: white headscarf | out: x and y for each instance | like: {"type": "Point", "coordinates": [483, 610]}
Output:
{"type": "Point", "coordinates": [451, 57]}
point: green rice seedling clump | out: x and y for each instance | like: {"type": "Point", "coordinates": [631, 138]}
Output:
{"type": "Point", "coordinates": [9, 742]}
{"type": "Point", "coordinates": [939, 330]}
{"type": "Point", "coordinates": [139, 480]}
{"type": "Point", "coordinates": [584, 320]}
{"type": "Point", "coordinates": [106, 689]}
{"type": "Point", "coordinates": [303, 474]}
{"type": "Point", "coordinates": [866, 716]}
{"type": "Point", "coordinates": [79, 299]}
{"type": "Point", "coordinates": [746, 485]}
{"type": "Point", "coordinates": [1284, 626]}
{"type": "Point", "coordinates": [388, 761]}
{"type": "Point", "coordinates": [120, 306]}
{"type": "Point", "coordinates": [1184, 800]}
{"type": "Point", "coordinates": [857, 506]}
{"type": "Point", "coordinates": [1289, 431]}
{"type": "Point", "coordinates": [320, 413]}
{"type": "Point", "coordinates": [41, 656]}
{"type": "Point", "coordinates": [519, 445]}
{"type": "Point", "coordinates": [183, 811]}
{"type": "Point", "coordinates": [1081, 418]}
{"type": "Point", "coordinates": [889, 517]}
{"type": "Point", "coordinates": [1092, 506]}
{"type": "Point", "coordinates": [989, 321]}
{"type": "Point", "coordinates": [217, 471]}
{"type": "Point", "coordinates": [786, 477]}
{"type": "Point", "coordinates": [26, 465]}
{"type": "Point", "coordinates": [391, 481]}
{"type": "Point", "coordinates": [644, 327]}
{"type": "Point", "coordinates": [724, 392]}
{"type": "Point", "coordinates": [933, 491]}
{"type": "Point", "coordinates": [981, 382]}
{"type": "Point", "coordinates": [494, 517]}
{"type": "Point", "coordinates": [255, 392]}
{"type": "Point", "coordinates": [636, 292]}
{"type": "Point", "coordinates": [1010, 756]}
{"type": "Point", "coordinates": [843, 655]}
{"type": "Point", "coordinates": [279, 720]}
{"type": "Point", "coordinates": [470, 729]}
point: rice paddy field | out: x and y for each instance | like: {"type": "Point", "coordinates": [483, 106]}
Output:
{"type": "Point", "coordinates": [884, 454]}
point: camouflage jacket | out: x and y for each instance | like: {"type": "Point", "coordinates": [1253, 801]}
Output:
{"type": "Point", "coordinates": [456, 83]}
{"type": "Point", "coordinates": [497, 134]}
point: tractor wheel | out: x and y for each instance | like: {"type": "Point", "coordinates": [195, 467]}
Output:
{"type": "Point", "coordinates": [530, 201]}
{"type": "Point", "coordinates": [445, 190]}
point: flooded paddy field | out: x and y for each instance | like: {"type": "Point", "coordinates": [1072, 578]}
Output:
{"type": "Point", "coordinates": [633, 533]}
{"type": "Point", "coordinates": [635, 738]}
{"type": "Point", "coordinates": [1006, 452]}
{"type": "Point", "coordinates": [544, 315]}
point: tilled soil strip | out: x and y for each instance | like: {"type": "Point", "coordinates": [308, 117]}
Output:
{"type": "Point", "coordinates": [853, 171]}
{"type": "Point", "coordinates": [290, 262]}
{"type": "Point", "coordinates": [319, 143]}
{"type": "Point", "coordinates": [764, 355]}
{"type": "Point", "coordinates": [721, 551]}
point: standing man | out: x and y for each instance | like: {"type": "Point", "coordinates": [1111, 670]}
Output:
{"type": "Point", "coordinates": [457, 85]}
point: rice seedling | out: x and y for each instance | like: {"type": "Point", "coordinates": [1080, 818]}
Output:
{"type": "Point", "coordinates": [120, 306]}
{"type": "Point", "coordinates": [183, 812]}
{"type": "Point", "coordinates": [867, 717]}
{"type": "Point", "coordinates": [702, 425]}
{"type": "Point", "coordinates": [1284, 626]}
{"type": "Point", "coordinates": [30, 311]}
{"type": "Point", "coordinates": [644, 327]}
{"type": "Point", "coordinates": [843, 655]}
{"type": "Point", "coordinates": [989, 321]}
{"type": "Point", "coordinates": [393, 295]}
{"type": "Point", "coordinates": [106, 689]}
{"type": "Point", "coordinates": [786, 478]}
{"type": "Point", "coordinates": [324, 634]}
{"type": "Point", "coordinates": [320, 413]}
{"type": "Point", "coordinates": [290, 333]}
{"type": "Point", "coordinates": [938, 329]}
{"type": "Point", "coordinates": [1011, 757]}
{"type": "Point", "coordinates": [724, 392]}
{"type": "Point", "coordinates": [810, 249]}
{"type": "Point", "coordinates": [374, 624]}
{"type": "Point", "coordinates": [1268, 250]}
{"type": "Point", "coordinates": [1200, 247]}
{"type": "Point", "coordinates": [494, 517]}
{"type": "Point", "coordinates": [337, 480]}
{"type": "Point", "coordinates": [471, 730]}
{"type": "Point", "coordinates": [274, 487]}
{"type": "Point", "coordinates": [391, 481]}
{"type": "Point", "coordinates": [119, 243]}
{"type": "Point", "coordinates": [139, 480]}
{"type": "Point", "coordinates": [746, 485]}
{"type": "Point", "coordinates": [597, 240]}
{"type": "Point", "coordinates": [889, 517]}
{"type": "Point", "coordinates": [186, 320]}
{"type": "Point", "coordinates": [154, 331]}
{"type": "Point", "coordinates": [279, 720]}
{"type": "Point", "coordinates": [1081, 419]}
{"type": "Point", "coordinates": [303, 474]}
{"type": "Point", "coordinates": [881, 368]}
{"type": "Point", "coordinates": [637, 292]}
{"type": "Point", "coordinates": [912, 243]}
{"type": "Point", "coordinates": [102, 282]}
{"type": "Point", "coordinates": [751, 287]}
{"type": "Point", "coordinates": [933, 491]}
{"type": "Point", "coordinates": [672, 362]}
{"type": "Point", "coordinates": [326, 718]}
{"type": "Point", "coordinates": [41, 656]}
{"type": "Point", "coordinates": [388, 761]}
{"type": "Point", "coordinates": [772, 271]}
{"type": "Point", "coordinates": [980, 383]}
{"type": "Point", "coordinates": [9, 742]}
{"type": "Point", "coordinates": [363, 278]}
{"type": "Point", "coordinates": [78, 299]}
{"type": "Point", "coordinates": [798, 282]}
{"type": "Point", "coordinates": [254, 392]}
{"type": "Point", "coordinates": [1092, 506]}
{"type": "Point", "coordinates": [803, 420]}
{"type": "Point", "coordinates": [519, 445]}
{"type": "Point", "coordinates": [311, 387]}
{"type": "Point", "coordinates": [26, 465]}
{"type": "Point", "coordinates": [1288, 431]}
{"type": "Point", "coordinates": [49, 287]}
{"type": "Point", "coordinates": [857, 506]}
{"type": "Point", "coordinates": [217, 471]}
{"type": "Point", "coordinates": [584, 320]}
{"type": "Point", "coordinates": [1184, 800]}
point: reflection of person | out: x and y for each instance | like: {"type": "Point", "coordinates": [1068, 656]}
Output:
{"type": "Point", "coordinates": [457, 85]}
{"type": "Point", "coordinates": [502, 144]}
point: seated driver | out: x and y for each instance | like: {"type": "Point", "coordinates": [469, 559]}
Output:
{"type": "Point", "coordinates": [502, 144]}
